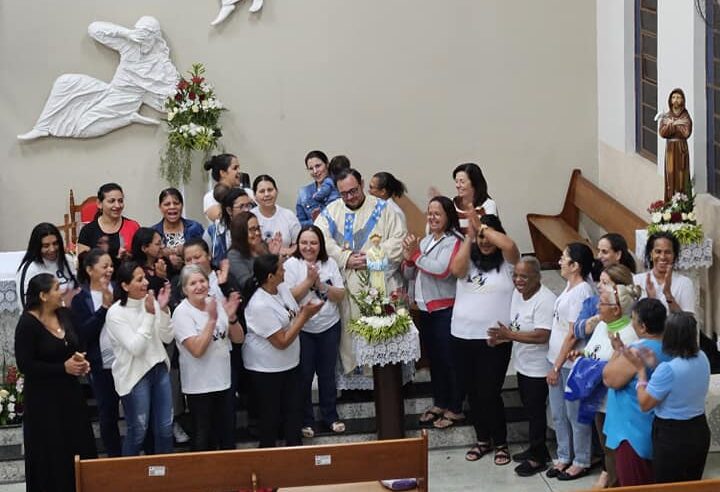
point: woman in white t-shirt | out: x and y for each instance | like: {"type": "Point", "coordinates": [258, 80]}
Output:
{"type": "Point", "coordinates": [203, 332]}
{"type": "Point", "coordinates": [483, 267]}
{"type": "Point", "coordinates": [572, 437]}
{"type": "Point", "coordinates": [225, 170]}
{"type": "Point", "coordinates": [274, 219]}
{"type": "Point", "coordinates": [45, 253]}
{"type": "Point", "coordinates": [472, 192]}
{"type": "Point", "coordinates": [675, 291]}
{"type": "Point", "coordinates": [311, 276]}
{"type": "Point", "coordinates": [531, 317]}
{"type": "Point", "coordinates": [272, 351]}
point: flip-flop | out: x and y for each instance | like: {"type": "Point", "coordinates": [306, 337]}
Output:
{"type": "Point", "coordinates": [502, 456]}
{"type": "Point", "coordinates": [446, 421]}
{"type": "Point", "coordinates": [428, 416]}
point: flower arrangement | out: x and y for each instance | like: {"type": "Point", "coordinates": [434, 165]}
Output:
{"type": "Point", "coordinates": [11, 397]}
{"type": "Point", "coordinates": [193, 114]}
{"type": "Point", "coordinates": [381, 317]}
{"type": "Point", "coordinates": [676, 216]}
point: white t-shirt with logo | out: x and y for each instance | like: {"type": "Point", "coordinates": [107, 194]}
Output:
{"type": "Point", "coordinates": [283, 221]}
{"type": "Point", "coordinates": [681, 288]}
{"type": "Point", "coordinates": [566, 310]}
{"type": "Point", "coordinates": [265, 315]}
{"type": "Point", "coordinates": [481, 300]}
{"type": "Point", "coordinates": [211, 371]}
{"type": "Point", "coordinates": [296, 273]}
{"type": "Point", "coordinates": [530, 359]}
{"type": "Point", "coordinates": [599, 345]}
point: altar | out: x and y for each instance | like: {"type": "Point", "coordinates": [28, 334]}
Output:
{"type": "Point", "coordinates": [9, 306]}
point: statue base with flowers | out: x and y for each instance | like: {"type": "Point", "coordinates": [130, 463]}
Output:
{"type": "Point", "coordinates": [385, 338]}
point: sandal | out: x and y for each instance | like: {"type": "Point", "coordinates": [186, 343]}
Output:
{"type": "Point", "coordinates": [307, 432]}
{"type": "Point", "coordinates": [502, 455]}
{"type": "Point", "coordinates": [479, 450]}
{"type": "Point", "coordinates": [430, 415]}
{"type": "Point", "coordinates": [448, 419]}
{"type": "Point", "coordinates": [338, 427]}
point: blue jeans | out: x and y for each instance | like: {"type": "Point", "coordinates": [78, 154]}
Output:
{"type": "Point", "coordinates": [150, 398]}
{"type": "Point", "coordinates": [108, 408]}
{"type": "Point", "coordinates": [574, 440]}
{"type": "Point", "coordinates": [435, 337]}
{"type": "Point", "coordinates": [318, 354]}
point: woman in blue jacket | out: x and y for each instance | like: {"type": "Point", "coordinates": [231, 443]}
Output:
{"type": "Point", "coordinates": [89, 307]}
{"type": "Point", "coordinates": [174, 229]}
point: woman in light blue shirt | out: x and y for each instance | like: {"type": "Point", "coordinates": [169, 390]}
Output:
{"type": "Point", "coordinates": [677, 391]}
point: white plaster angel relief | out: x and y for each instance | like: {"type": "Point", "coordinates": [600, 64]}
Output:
{"type": "Point", "coordinates": [229, 5]}
{"type": "Point", "coordinates": [82, 106]}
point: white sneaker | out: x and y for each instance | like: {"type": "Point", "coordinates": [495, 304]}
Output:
{"type": "Point", "coordinates": [179, 434]}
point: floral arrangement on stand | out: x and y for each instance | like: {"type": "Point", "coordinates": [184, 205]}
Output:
{"type": "Point", "coordinates": [193, 115]}
{"type": "Point", "coordinates": [678, 217]}
{"type": "Point", "coordinates": [381, 317]}
{"type": "Point", "coordinates": [11, 397]}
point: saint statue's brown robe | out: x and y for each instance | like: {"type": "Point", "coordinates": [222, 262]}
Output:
{"type": "Point", "coordinates": [676, 128]}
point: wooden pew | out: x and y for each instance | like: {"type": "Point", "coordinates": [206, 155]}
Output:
{"type": "Point", "coordinates": [698, 486]}
{"type": "Point", "coordinates": [551, 233]}
{"type": "Point", "coordinates": [302, 466]}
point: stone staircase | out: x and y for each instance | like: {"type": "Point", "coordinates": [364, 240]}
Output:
{"type": "Point", "coordinates": [356, 409]}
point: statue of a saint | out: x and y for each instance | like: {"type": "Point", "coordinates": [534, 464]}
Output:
{"type": "Point", "coordinates": [377, 264]}
{"type": "Point", "coordinates": [676, 127]}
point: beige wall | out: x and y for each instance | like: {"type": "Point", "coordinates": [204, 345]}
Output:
{"type": "Point", "coordinates": [409, 86]}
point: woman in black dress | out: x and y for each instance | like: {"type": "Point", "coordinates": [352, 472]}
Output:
{"type": "Point", "coordinates": [56, 422]}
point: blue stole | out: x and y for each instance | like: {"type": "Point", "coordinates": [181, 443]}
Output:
{"type": "Point", "coordinates": [349, 239]}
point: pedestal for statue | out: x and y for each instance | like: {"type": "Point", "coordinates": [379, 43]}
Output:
{"type": "Point", "coordinates": [386, 359]}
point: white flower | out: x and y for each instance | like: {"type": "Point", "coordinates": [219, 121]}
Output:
{"type": "Point", "coordinates": [377, 310]}
{"type": "Point", "coordinates": [195, 108]}
{"type": "Point", "coordinates": [4, 394]}
{"type": "Point", "coordinates": [691, 216]}
{"type": "Point", "coordinates": [11, 415]}
{"type": "Point", "coordinates": [684, 216]}
{"type": "Point", "coordinates": [657, 217]}
{"type": "Point", "coordinates": [12, 398]}
{"type": "Point", "coordinates": [171, 115]}
{"type": "Point", "coordinates": [20, 384]}
{"type": "Point", "coordinates": [204, 104]}
{"type": "Point", "coordinates": [11, 407]}
{"type": "Point", "coordinates": [667, 216]}
{"type": "Point", "coordinates": [402, 312]}
{"type": "Point", "coordinates": [373, 292]}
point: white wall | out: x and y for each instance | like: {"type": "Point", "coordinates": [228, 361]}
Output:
{"type": "Point", "coordinates": [632, 179]}
{"type": "Point", "coordinates": [410, 86]}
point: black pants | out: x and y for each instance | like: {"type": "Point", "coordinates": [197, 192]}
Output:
{"type": "Point", "coordinates": [533, 394]}
{"type": "Point", "coordinates": [213, 418]}
{"type": "Point", "coordinates": [481, 370]}
{"type": "Point", "coordinates": [280, 406]}
{"type": "Point", "coordinates": [680, 449]}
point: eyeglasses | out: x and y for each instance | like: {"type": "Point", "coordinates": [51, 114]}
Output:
{"type": "Point", "coordinates": [255, 229]}
{"type": "Point", "coordinates": [243, 206]}
{"type": "Point", "coordinates": [349, 193]}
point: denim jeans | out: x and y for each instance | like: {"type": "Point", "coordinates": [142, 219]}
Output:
{"type": "Point", "coordinates": [150, 398]}
{"type": "Point", "coordinates": [435, 337]}
{"type": "Point", "coordinates": [318, 354]}
{"type": "Point", "coordinates": [108, 408]}
{"type": "Point", "coordinates": [574, 440]}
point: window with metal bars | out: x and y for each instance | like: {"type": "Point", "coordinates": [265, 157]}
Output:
{"type": "Point", "coordinates": [646, 78]}
{"type": "Point", "coordinates": [712, 19]}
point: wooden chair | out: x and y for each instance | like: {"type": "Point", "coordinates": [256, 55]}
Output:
{"type": "Point", "coordinates": [358, 465]}
{"type": "Point", "coordinates": [551, 233]}
{"type": "Point", "coordinates": [81, 214]}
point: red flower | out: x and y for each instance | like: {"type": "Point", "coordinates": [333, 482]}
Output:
{"type": "Point", "coordinates": [676, 217]}
{"type": "Point", "coordinates": [201, 97]}
{"type": "Point", "coordinates": [178, 97]}
{"type": "Point", "coordinates": [197, 79]}
{"type": "Point", "coordinates": [12, 375]}
{"type": "Point", "coordinates": [192, 96]}
{"type": "Point", "coordinates": [182, 85]}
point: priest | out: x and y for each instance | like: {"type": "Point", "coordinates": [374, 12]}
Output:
{"type": "Point", "coordinates": [348, 225]}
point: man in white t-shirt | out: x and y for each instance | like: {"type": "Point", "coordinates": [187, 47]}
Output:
{"type": "Point", "coordinates": [531, 318]}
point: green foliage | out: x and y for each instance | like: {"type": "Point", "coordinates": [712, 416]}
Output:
{"type": "Point", "coordinates": [381, 334]}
